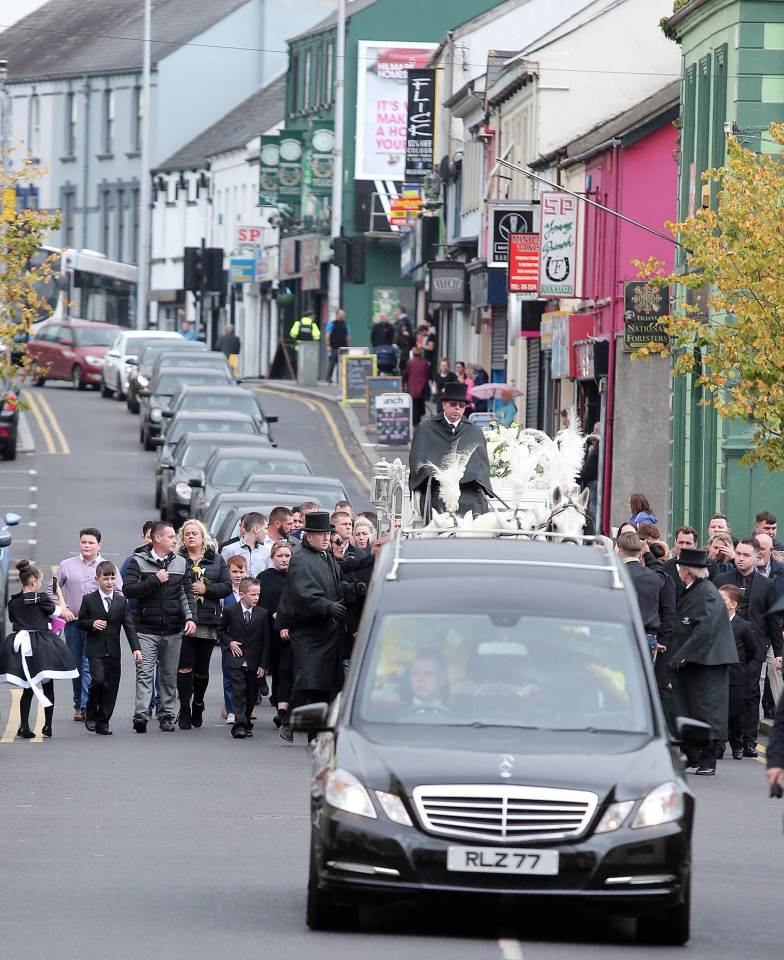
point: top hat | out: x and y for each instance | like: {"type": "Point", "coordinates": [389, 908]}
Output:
{"type": "Point", "coordinates": [455, 391]}
{"type": "Point", "coordinates": [317, 522]}
{"type": "Point", "coordinates": [692, 557]}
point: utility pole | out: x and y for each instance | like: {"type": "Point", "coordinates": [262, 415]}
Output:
{"type": "Point", "coordinates": [143, 255]}
{"type": "Point", "coordinates": [337, 173]}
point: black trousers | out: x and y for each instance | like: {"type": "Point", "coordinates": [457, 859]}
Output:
{"type": "Point", "coordinates": [736, 715]}
{"type": "Point", "coordinates": [244, 690]}
{"type": "Point", "coordinates": [104, 684]}
{"type": "Point", "coordinates": [752, 703]}
{"type": "Point", "coordinates": [417, 409]}
{"type": "Point", "coordinates": [282, 669]}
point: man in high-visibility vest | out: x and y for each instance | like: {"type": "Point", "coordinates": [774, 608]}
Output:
{"type": "Point", "coordinates": [305, 328]}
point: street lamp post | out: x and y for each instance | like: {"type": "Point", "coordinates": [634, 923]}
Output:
{"type": "Point", "coordinates": [337, 172]}
{"type": "Point", "coordinates": [144, 186]}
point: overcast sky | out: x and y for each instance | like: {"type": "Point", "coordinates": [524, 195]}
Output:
{"type": "Point", "coordinates": [13, 10]}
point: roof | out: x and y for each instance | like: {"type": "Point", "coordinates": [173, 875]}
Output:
{"type": "Point", "coordinates": [352, 7]}
{"type": "Point", "coordinates": [74, 37]}
{"type": "Point", "coordinates": [261, 111]}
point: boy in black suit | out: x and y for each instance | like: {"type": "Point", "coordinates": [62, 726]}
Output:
{"type": "Point", "coordinates": [102, 615]}
{"type": "Point", "coordinates": [746, 644]}
{"type": "Point", "coordinates": [245, 632]}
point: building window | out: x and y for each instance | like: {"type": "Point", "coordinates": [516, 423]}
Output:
{"type": "Point", "coordinates": [136, 118]}
{"type": "Point", "coordinates": [330, 72]}
{"type": "Point", "coordinates": [69, 218]}
{"type": "Point", "coordinates": [106, 221]}
{"type": "Point", "coordinates": [108, 121]}
{"type": "Point", "coordinates": [120, 203]}
{"type": "Point", "coordinates": [306, 91]}
{"type": "Point", "coordinates": [316, 98]}
{"type": "Point", "coordinates": [71, 117]}
{"type": "Point", "coordinates": [134, 256]}
{"type": "Point", "coordinates": [294, 83]}
{"type": "Point", "coordinates": [34, 139]}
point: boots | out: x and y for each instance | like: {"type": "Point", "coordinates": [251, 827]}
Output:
{"type": "Point", "coordinates": [24, 732]}
{"type": "Point", "coordinates": [285, 729]}
{"type": "Point", "coordinates": [46, 730]}
{"type": "Point", "coordinates": [199, 689]}
{"type": "Point", "coordinates": [185, 692]}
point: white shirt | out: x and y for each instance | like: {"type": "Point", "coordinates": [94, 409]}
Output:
{"type": "Point", "coordinates": [105, 597]}
{"type": "Point", "coordinates": [452, 426]}
{"type": "Point", "coordinates": [256, 557]}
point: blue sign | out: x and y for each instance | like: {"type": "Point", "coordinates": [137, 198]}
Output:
{"type": "Point", "coordinates": [242, 270]}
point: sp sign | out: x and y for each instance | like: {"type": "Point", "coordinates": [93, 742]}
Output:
{"type": "Point", "coordinates": [247, 236]}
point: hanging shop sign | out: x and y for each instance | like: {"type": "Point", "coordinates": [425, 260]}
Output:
{"type": "Point", "coordinates": [269, 160]}
{"type": "Point", "coordinates": [382, 98]}
{"type": "Point", "coordinates": [421, 123]}
{"type": "Point", "coordinates": [447, 282]}
{"type": "Point", "coordinates": [406, 207]}
{"type": "Point", "coordinates": [558, 256]}
{"type": "Point", "coordinates": [644, 305]}
{"type": "Point", "coordinates": [506, 218]}
{"type": "Point", "coordinates": [321, 160]}
{"type": "Point", "coordinates": [290, 165]}
{"type": "Point", "coordinates": [524, 264]}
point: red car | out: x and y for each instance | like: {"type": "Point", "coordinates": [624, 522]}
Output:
{"type": "Point", "coordinates": [71, 350]}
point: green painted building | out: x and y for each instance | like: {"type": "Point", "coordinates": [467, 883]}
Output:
{"type": "Point", "coordinates": [733, 80]}
{"type": "Point", "coordinates": [397, 25]}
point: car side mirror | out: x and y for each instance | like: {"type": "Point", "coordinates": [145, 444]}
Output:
{"type": "Point", "coordinates": [693, 733]}
{"type": "Point", "coordinates": [271, 419]}
{"type": "Point", "coordinates": [167, 414]}
{"type": "Point", "coordinates": [195, 483]}
{"type": "Point", "coordinates": [312, 718]}
{"type": "Point", "coordinates": [132, 361]}
{"type": "Point", "coordinates": [11, 519]}
{"type": "Point", "coordinates": [5, 539]}
{"type": "Point", "coordinates": [158, 441]}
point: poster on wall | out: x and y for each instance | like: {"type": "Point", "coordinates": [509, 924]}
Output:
{"type": "Point", "coordinates": [382, 105]}
{"type": "Point", "coordinates": [558, 244]}
{"type": "Point", "coordinates": [421, 123]}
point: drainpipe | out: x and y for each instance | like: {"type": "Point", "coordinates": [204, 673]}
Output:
{"type": "Point", "coordinates": [609, 407]}
{"type": "Point", "coordinates": [86, 163]}
{"type": "Point", "coordinates": [445, 94]}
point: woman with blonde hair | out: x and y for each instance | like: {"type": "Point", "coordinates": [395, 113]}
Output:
{"type": "Point", "coordinates": [363, 536]}
{"type": "Point", "coordinates": [211, 583]}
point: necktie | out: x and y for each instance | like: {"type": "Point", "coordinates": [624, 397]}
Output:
{"type": "Point", "coordinates": [247, 616]}
{"type": "Point", "coordinates": [107, 602]}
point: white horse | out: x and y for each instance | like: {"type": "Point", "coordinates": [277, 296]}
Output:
{"type": "Point", "coordinates": [568, 517]}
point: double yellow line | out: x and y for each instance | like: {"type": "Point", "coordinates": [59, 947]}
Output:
{"type": "Point", "coordinates": [47, 422]}
{"type": "Point", "coordinates": [12, 724]}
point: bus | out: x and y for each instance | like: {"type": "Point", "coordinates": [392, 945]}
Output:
{"type": "Point", "coordinates": [89, 286]}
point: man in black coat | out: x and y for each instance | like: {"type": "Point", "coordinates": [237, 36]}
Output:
{"type": "Point", "coordinates": [746, 647]}
{"type": "Point", "coordinates": [684, 537]}
{"type": "Point", "coordinates": [758, 598]}
{"type": "Point", "coordinates": [703, 651]}
{"type": "Point", "coordinates": [438, 439]}
{"type": "Point", "coordinates": [102, 615]}
{"type": "Point", "coordinates": [245, 632]}
{"type": "Point", "coordinates": [310, 608]}
{"type": "Point", "coordinates": [649, 583]}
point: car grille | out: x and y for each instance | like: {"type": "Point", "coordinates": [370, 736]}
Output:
{"type": "Point", "coordinates": [504, 813]}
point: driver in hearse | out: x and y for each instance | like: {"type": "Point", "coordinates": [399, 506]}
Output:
{"type": "Point", "coordinates": [425, 682]}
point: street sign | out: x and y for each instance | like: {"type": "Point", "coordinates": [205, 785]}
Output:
{"type": "Point", "coordinates": [558, 258]}
{"type": "Point", "coordinates": [644, 306]}
{"type": "Point", "coordinates": [524, 264]}
{"type": "Point", "coordinates": [421, 122]}
{"type": "Point", "coordinates": [393, 418]}
{"type": "Point", "coordinates": [247, 237]}
{"type": "Point", "coordinates": [506, 218]}
{"type": "Point", "coordinates": [242, 270]}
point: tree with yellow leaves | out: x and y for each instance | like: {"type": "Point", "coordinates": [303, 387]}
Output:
{"type": "Point", "coordinates": [727, 322]}
{"type": "Point", "coordinates": [23, 275]}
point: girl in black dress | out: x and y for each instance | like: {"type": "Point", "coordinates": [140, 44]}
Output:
{"type": "Point", "coordinates": [282, 667]}
{"type": "Point", "coordinates": [31, 653]}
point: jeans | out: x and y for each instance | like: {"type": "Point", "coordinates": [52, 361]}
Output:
{"type": "Point", "coordinates": [75, 640]}
{"type": "Point", "coordinates": [226, 678]}
{"type": "Point", "coordinates": [165, 652]}
{"type": "Point", "coordinates": [155, 696]}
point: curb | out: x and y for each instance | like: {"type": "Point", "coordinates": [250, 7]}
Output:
{"type": "Point", "coordinates": [24, 437]}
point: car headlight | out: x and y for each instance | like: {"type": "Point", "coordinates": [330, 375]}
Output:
{"type": "Point", "coordinates": [344, 792]}
{"type": "Point", "coordinates": [614, 816]}
{"type": "Point", "coordinates": [142, 382]}
{"type": "Point", "coordinates": [183, 490]}
{"type": "Point", "coordinates": [129, 368]}
{"type": "Point", "coordinates": [393, 807]}
{"type": "Point", "coordinates": [662, 805]}
{"type": "Point", "coordinates": [93, 360]}
{"type": "Point", "coordinates": [155, 415]}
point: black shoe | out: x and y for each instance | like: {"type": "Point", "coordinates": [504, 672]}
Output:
{"type": "Point", "coordinates": [183, 717]}
{"type": "Point", "coordinates": [103, 729]}
{"type": "Point", "coordinates": [25, 733]}
{"type": "Point", "coordinates": [286, 733]}
{"type": "Point", "coordinates": [139, 725]}
{"type": "Point", "coordinates": [197, 713]}
{"type": "Point", "coordinates": [263, 689]}
{"type": "Point", "coordinates": [240, 733]}
{"type": "Point", "coordinates": [167, 725]}
{"type": "Point", "coordinates": [89, 725]}
{"type": "Point", "coordinates": [277, 720]}
{"type": "Point", "coordinates": [737, 754]}
{"type": "Point", "coordinates": [750, 751]}
{"type": "Point", "coordinates": [705, 771]}
{"type": "Point", "coordinates": [46, 730]}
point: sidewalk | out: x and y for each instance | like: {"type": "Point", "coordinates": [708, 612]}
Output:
{"type": "Point", "coordinates": [356, 418]}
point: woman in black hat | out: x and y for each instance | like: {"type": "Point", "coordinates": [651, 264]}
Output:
{"type": "Point", "coordinates": [437, 441]}
{"type": "Point", "coordinates": [703, 650]}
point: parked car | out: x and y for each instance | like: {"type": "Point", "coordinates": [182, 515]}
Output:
{"type": "Point", "coordinates": [324, 489]}
{"type": "Point", "coordinates": [156, 398]}
{"type": "Point", "coordinates": [226, 469]}
{"type": "Point", "coordinates": [189, 458]}
{"type": "Point", "coordinates": [492, 741]}
{"type": "Point", "coordinates": [229, 511]}
{"type": "Point", "coordinates": [140, 366]}
{"type": "Point", "coordinates": [9, 419]}
{"type": "Point", "coordinates": [197, 421]}
{"type": "Point", "coordinates": [9, 520]}
{"type": "Point", "coordinates": [116, 364]}
{"type": "Point", "coordinates": [235, 398]}
{"type": "Point", "coordinates": [70, 350]}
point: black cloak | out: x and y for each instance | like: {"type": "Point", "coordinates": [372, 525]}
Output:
{"type": "Point", "coordinates": [434, 441]}
{"type": "Point", "coordinates": [705, 641]}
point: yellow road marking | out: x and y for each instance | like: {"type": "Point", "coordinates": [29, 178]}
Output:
{"type": "Point", "coordinates": [64, 448]}
{"type": "Point", "coordinates": [33, 405]}
{"type": "Point", "coordinates": [12, 723]}
{"type": "Point", "coordinates": [312, 405]}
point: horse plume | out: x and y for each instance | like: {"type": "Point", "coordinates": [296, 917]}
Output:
{"type": "Point", "coordinates": [568, 456]}
{"type": "Point", "coordinates": [449, 475]}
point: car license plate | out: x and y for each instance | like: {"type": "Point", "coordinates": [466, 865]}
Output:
{"type": "Point", "coordinates": [502, 860]}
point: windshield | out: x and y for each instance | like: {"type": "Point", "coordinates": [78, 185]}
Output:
{"type": "Point", "coordinates": [193, 358]}
{"type": "Point", "coordinates": [153, 350]}
{"type": "Point", "coordinates": [197, 454]}
{"type": "Point", "coordinates": [94, 336]}
{"type": "Point", "coordinates": [323, 493]}
{"type": "Point", "coordinates": [504, 669]}
{"type": "Point", "coordinates": [169, 382]}
{"type": "Point", "coordinates": [229, 474]}
{"type": "Point", "coordinates": [237, 403]}
{"type": "Point", "coordinates": [177, 429]}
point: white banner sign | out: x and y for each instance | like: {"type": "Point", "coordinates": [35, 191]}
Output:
{"type": "Point", "coordinates": [558, 263]}
{"type": "Point", "coordinates": [382, 105]}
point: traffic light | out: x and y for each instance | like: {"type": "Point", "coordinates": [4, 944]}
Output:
{"type": "Point", "coordinates": [340, 250]}
{"type": "Point", "coordinates": [203, 269]}
{"type": "Point", "coordinates": [356, 264]}
{"type": "Point", "coordinates": [194, 268]}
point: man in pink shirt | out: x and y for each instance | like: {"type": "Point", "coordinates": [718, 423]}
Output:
{"type": "Point", "coordinates": [76, 576]}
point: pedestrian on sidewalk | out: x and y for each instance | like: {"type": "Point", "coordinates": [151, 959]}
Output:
{"type": "Point", "coordinates": [165, 612]}
{"type": "Point", "coordinates": [382, 339]}
{"type": "Point", "coordinates": [338, 336]}
{"type": "Point", "coordinates": [416, 382]}
{"type": "Point", "coordinates": [404, 341]}
{"type": "Point", "coordinates": [245, 632]}
{"type": "Point", "coordinates": [76, 576]}
{"type": "Point", "coordinates": [31, 653]}
{"type": "Point", "coordinates": [102, 616]}
{"type": "Point", "coordinates": [230, 345]}
{"type": "Point", "coordinates": [187, 331]}
{"type": "Point", "coordinates": [210, 582]}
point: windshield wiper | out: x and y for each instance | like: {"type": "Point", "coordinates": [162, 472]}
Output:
{"type": "Point", "coordinates": [595, 730]}
{"type": "Point", "coordinates": [479, 725]}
